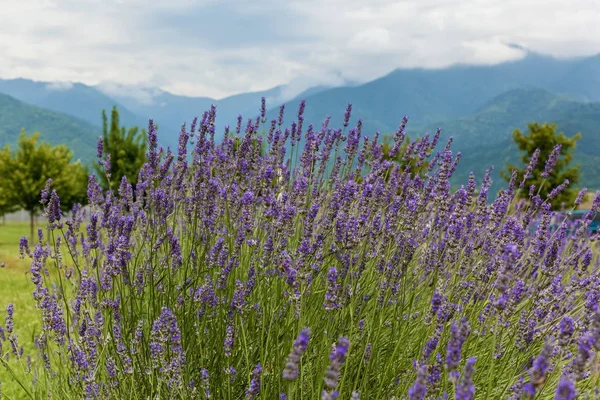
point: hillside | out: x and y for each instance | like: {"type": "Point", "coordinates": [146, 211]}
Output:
{"type": "Point", "coordinates": [485, 138]}
{"type": "Point", "coordinates": [430, 95]}
{"type": "Point", "coordinates": [55, 128]}
{"type": "Point", "coordinates": [426, 95]}
{"type": "Point", "coordinates": [478, 105]}
{"type": "Point", "coordinates": [170, 111]}
{"type": "Point", "coordinates": [77, 100]}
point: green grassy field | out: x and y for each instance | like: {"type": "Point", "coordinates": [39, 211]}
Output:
{"type": "Point", "coordinates": [16, 287]}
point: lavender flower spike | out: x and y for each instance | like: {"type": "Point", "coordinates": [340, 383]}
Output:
{"type": "Point", "coordinates": [337, 358]}
{"type": "Point", "coordinates": [466, 388]}
{"type": "Point", "coordinates": [551, 162]}
{"type": "Point", "coordinates": [458, 337]}
{"type": "Point", "coordinates": [100, 147]}
{"type": "Point", "coordinates": [10, 309]}
{"type": "Point", "coordinates": [532, 163]}
{"type": "Point", "coordinates": [419, 389]}
{"type": "Point", "coordinates": [254, 388]}
{"type": "Point", "coordinates": [347, 115]}
{"type": "Point", "coordinates": [291, 367]}
{"type": "Point", "coordinates": [540, 366]}
{"type": "Point", "coordinates": [565, 389]}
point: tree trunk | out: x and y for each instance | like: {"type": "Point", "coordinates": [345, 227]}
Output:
{"type": "Point", "coordinates": [31, 223]}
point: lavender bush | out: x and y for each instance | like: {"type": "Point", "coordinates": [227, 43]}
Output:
{"type": "Point", "coordinates": [237, 271]}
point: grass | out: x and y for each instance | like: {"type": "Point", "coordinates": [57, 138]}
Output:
{"type": "Point", "coordinates": [16, 287]}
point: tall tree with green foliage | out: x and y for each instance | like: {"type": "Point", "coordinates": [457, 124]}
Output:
{"type": "Point", "coordinates": [25, 172]}
{"type": "Point", "coordinates": [553, 146]}
{"type": "Point", "coordinates": [6, 206]}
{"type": "Point", "coordinates": [124, 151]}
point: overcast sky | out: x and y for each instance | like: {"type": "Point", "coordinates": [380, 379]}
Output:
{"type": "Point", "coordinates": [218, 48]}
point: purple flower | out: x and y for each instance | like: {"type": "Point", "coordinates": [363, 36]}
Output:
{"type": "Point", "coordinates": [281, 112]}
{"type": "Point", "coordinates": [111, 368]}
{"type": "Point", "coordinates": [325, 395]}
{"type": "Point", "coordinates": [558, 189]}
{"type": "Point", "coordinates": [551, 162]}
{"type": "Point", "coordinates": [566, 329]}
{"type": "Point", "coordinates": [436, 302]}
{"type": "Point", "coordinates": [540, 366]}
{"type": "Point", "coordinates": [331, 295]}
{"type": "Point", "coordinates": [565, 389]}
{"type": "Point", "coordinates": [53, 211]}
{"type": "Point", "coordinates": [45, 194]}
{"type": "Point", "coordinates": [529, 169]}
{"type": "Point", "coordinates": [100, 147]}
{"type": "Point", "coordinates": [466, 389]}
{"type": "Point", "coordinates": [23, 246]}
{"type": "Point", "coordinates": [528, 390]}
{"type": "Point", "coordinates": [10, 309]}
{"type": "Point", "coordinates": [337, 358]}
{"type": "Point", "coordinates": [580, 196]}
{"type": "Point", "coordinates": [204, 378]}
{"type": "Point", "coordinates": [229, 338]}
{"type": "Point", "coordinates": [347, 115]}
{"type": "Point", "coordinates": [419, 389]}
{"type": "Point", "coordinates": [263, 108]}
{"type": "Point", "coordinates": [458, 337]}
{"type": "Point", "coordinates": [291, 367]}
{"type": "Point", "coordinates": [238, 126]}
{"type": "Point", "coordinates": [254, 388]}
{"type": "Point", "coordinates": [585, 352]}
{"type": "Point", "coordinates": [232, 245]}
{"type": "Point", "coordinates": [165, 347]}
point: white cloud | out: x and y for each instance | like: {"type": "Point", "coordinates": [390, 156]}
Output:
{"type": "Point", "coordinates": [143, 93]}
{"type": "Point", "coordinates": [372, 40]}
{"type": "Point", "coordinates": [58, 85]}
{"type": "Point", "coordinates": [212, 48]}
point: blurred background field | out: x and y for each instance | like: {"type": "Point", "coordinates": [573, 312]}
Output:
{"type": "Point", "coordinates": [16, 287]}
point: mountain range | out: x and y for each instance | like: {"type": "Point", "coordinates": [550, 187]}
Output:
{"type": "Point", "coordinates": [54, 127]}
{"type": "Point", "coordinates": [479, 106]}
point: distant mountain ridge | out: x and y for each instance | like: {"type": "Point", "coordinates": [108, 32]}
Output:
{"type": "Point", "coordinates": [54, 127]}
{"type": "Point", "coordinates": [478, 105]}
{"type": "Point", "coordinates": [74, 99]}
{"type": "Point", "coordinates": [429, 95]}
{"type": "Point", "coordinates": [171, 111]}
{"type": "Point", "coordinates": [485, 137]}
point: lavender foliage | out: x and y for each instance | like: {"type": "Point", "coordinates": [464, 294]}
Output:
{"type": "Point", "coordinates": [198, 282]}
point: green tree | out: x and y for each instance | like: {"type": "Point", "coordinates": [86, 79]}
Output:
{"type": "Point", "coordinates": [24, 173]}
{"type": "Point", "coordinates": [544, 137]}
{"type": "Point", "coordinates": [412, 163]}
{"type": "Point", "coordinates": [6, 206]}
{"type": "Point", "coordinates": [125, 148]}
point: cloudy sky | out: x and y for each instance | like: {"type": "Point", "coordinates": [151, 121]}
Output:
{"type": "Point", "coordinates": [218, 48]}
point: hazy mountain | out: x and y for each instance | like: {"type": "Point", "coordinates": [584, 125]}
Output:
{"type": "Point", "coordinates": [54, 127]}
{"type": "Point", "coordinates": [171, 111]}
{"type": "Point", "coordinates": [485, 138]}
{"type": "Point", "coordinates": [478, 105]}
{"type": "Point", "coordinates": [425, 95]}
{"type": "Point", "coordinates": [137, 105]}
{"type": "Point", "coordinates": [75, 99]}
{"type": "Point", "coordinates": [429, 95]}
{"type": "Point", "coordinates": [581, 80]}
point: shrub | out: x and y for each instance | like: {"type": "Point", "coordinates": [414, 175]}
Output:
{"type": "Point", "coordinates": [231, 276]}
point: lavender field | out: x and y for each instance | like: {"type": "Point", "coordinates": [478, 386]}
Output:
{"type": "Point", "coordinates": [288, 261]}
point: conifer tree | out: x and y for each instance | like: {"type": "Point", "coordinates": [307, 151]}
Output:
{"type": "Point", "coordinates": [124, 151]}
